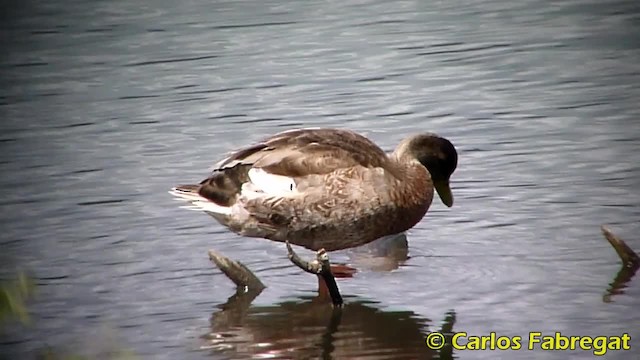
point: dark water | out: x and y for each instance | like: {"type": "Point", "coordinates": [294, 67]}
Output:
{"type": "Point", "coordinates": [104, 105]}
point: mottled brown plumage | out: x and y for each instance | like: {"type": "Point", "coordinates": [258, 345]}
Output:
{"type": "Point", "coordinates": [325, 188]}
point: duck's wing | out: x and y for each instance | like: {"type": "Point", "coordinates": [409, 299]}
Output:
{"type": "Point", "coordinates": [279, 163]}
{"type": "Point", "coordinates": [297, 153]}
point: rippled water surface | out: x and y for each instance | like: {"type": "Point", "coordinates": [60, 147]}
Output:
{"type": "Point", "coordinates": [105, 105]}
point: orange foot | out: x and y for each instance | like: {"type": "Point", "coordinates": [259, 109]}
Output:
{"type": "Point", "coordinates": [342, 271]}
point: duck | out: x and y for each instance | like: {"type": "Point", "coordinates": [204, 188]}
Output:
{"type": "Point", "coordinates": [325, 188]}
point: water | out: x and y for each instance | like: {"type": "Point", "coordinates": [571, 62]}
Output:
{"type": "Point", "coordinates": [105, 105]}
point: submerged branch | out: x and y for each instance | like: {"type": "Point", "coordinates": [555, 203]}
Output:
{"type": "Point", "coordinates": [237, 272]}
{"type": "Point", "coordinates": [630, 264]}
{"type": "Point", "coordinates": [247, 281]}
{"type": "Point", "coordinates": [627, 255]}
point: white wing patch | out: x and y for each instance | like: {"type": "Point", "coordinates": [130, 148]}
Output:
{"type": "Point", "coordinates": [208, 206]}
{"type": "Point", "coordinates": [271, 184]}
{"type": "Point", "coordinates": [262, 184]}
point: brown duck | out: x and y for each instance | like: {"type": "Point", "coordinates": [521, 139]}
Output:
{"type": "Point", "coordinates": [325, 188]}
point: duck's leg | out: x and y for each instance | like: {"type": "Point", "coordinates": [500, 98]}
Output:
{"type": "Point", "coordinates": [322, 268]}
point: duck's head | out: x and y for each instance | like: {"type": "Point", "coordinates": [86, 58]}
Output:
{"type": "Point", "coordinates": [437, 154]}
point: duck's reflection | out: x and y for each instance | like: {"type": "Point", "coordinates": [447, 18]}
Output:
{"type": "Point", "coordinates": [385, 254]}
{"type": "Point", "coordinates": [310, 328]}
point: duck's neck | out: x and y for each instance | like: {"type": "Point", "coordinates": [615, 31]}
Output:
{"type": "Point", "coordinates": [403, 154]}
{"type": "Point", "coordinates": [413, 194]}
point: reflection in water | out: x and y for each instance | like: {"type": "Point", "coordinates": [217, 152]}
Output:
{"type": "Point", "coordinates": [385, 254]}
{"type": "Point", "coordinates": [624, 275]}
{"type": "Point", "coordinates": [311, 328]}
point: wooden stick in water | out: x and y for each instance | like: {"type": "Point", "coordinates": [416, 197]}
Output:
{"type": "Point", "coordinates": [237, 272]}
{"type": "Point", "coordinates": [629, 258]}
{"type": "Point", "coordinates": [630, 265]}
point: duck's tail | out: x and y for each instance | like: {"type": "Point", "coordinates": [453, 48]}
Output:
{"type": "Point", "coordinates": [191, 194]}
{"type": "Point", "coordinates": [216, 194]}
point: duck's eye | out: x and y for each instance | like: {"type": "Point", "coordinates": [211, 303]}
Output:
{"type": "Point", "coordinates": [291, 187]}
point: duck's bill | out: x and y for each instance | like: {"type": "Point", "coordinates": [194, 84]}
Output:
{"type": "Point", "coordinates": [444, 191]}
